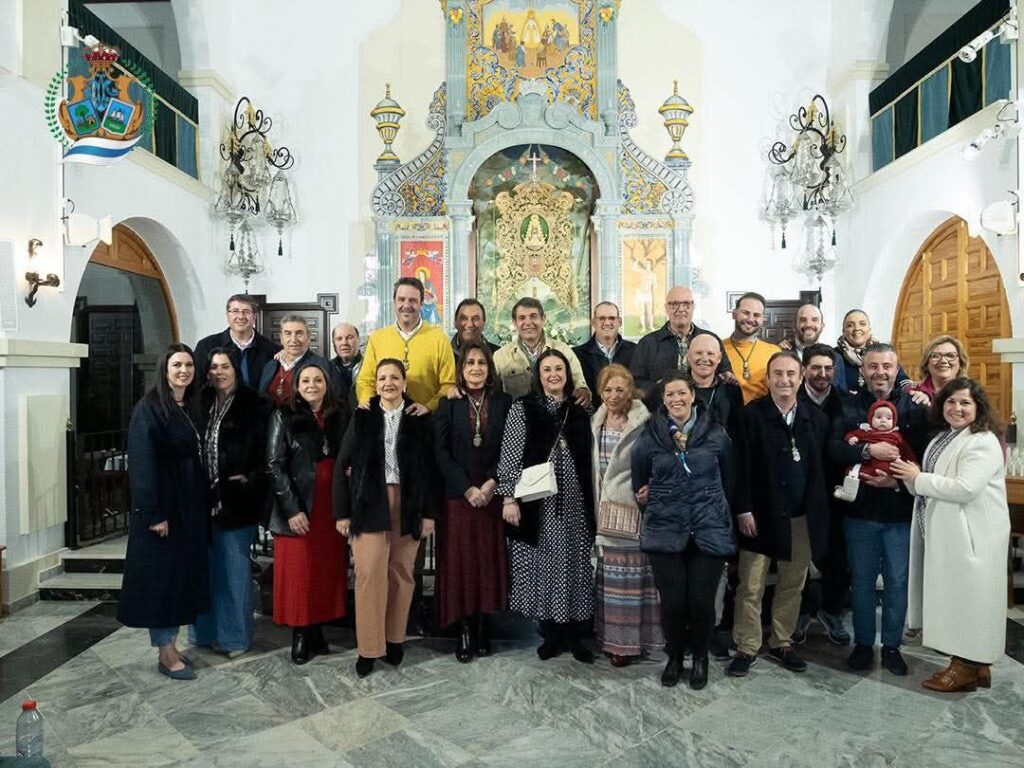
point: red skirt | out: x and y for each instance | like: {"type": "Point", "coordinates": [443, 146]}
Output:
{"type": "Point", "coordinates": [311, 571]}
{"type": "Point", "coordinates": [472, 568]}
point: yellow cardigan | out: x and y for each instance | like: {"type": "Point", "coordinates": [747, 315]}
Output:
{"type": "Point", "coordinates": [430, 370]}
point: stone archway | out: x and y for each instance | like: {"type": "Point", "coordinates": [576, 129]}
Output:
{"type": "Point", "coordinates": [953, 286]}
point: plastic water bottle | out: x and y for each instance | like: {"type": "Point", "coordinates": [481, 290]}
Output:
{"type": "Point", "coordinates": [29, 731]}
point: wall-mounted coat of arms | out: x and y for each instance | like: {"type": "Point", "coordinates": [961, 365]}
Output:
{"type": "Point", "coordinates": [99, 121]}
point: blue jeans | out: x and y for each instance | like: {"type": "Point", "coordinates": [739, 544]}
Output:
{"type": "Point", "coordinates": [872, 548]}
{"type": "Point", "coordinates": [161, 636]}
{"type": "Point", "coordinates": [229, 624]}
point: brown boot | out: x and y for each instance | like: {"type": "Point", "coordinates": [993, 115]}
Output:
{"type": "Point", "coordinates": [958, 676]}
{"type": "Point", "coordinates": [984, 675]}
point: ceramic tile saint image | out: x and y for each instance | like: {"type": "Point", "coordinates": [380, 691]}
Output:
{"type": "Point", "coordinates": [424, 259]}
{"type": "Point", "coordinates": [644, 279]}
{"type": "Point", "coordinates": [529, 38]}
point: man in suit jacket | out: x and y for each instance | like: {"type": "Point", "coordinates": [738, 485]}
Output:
{"type": "Point", "coordinates": [276, 379]}
{"type": "Point", "coordinates": [605, 346]}
{"type": "Point", "coordinates": [249, 350]}
{"type": "Point", "coordinates": [782, 512]}
{"type": "Point", "coordinates": [348, 358]}
{"type": "Point", "coordinates": [470, 319]}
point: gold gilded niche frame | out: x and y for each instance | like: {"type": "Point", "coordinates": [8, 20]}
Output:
{"type": "Point", "coordinates": [574, 79]}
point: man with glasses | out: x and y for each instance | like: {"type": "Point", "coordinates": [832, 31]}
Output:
{"type": "Point", "coordinates": [249, 349]}
{"type": "Point", "coordinates": [665, 349]}
{"type": "Point", "coordinates": [605, 346]}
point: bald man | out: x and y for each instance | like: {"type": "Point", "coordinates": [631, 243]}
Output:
{"type": "Point", "coordinates": [665, 349]}
{"type": "Point", "coordinates": [348, 358]}
{"type": "Point", "coordinates": [809, 325]}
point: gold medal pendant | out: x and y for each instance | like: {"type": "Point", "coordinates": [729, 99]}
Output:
{"type": "Point", "coordinates": [478, 440]}
{"type": "Point", "coordinates": [561, 442]}
{"type": "Point", "coordinates": [796, 452]}
{"type": "Point", "coordinates": [746, 371]}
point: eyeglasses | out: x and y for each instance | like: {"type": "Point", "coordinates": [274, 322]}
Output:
{"type": "Point", "coordinates": [949, 356]}
{"type": "Point", "coordinates": [242, 312]}
{"type": "Point", "coordinates": [674, 305]}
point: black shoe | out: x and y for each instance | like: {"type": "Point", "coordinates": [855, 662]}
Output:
{"type": "Point", "coordinates": [740, 665]}
{"type": "Point", "coordinates": [788, 658]}
{"type": "Point", "coordinates": [483, 637]}
{"type": "Point", "coordinates": [464, 649]}
{"type": "Point", "coordinates": [300, 645]}
{"type": "Point", "coordinates": [364, 666]}
{"type": "Point", "coordinates": [579, 650]}
{"type": "Point", "coordinates": [317, 642]}
{"type": "Point", "coordinates": [719, 647]}
{"type": "Point", "coordinates": [862, 658]}
{"type": "Point", "coordinates": [394, 653]}
{"type": "Point", "coordinates": [699, 672]}
{"type": "Point", "coordinates": [803, 623]}
{"type": "Point", "coordinates": [673, 671]}
{"type": "Point", "coordinates": [893, 661]}
{"type": "Point", "coordinates": [554, 636]}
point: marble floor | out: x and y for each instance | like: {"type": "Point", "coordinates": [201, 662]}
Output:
{"type": "Point", "coordinates": [105, 705]}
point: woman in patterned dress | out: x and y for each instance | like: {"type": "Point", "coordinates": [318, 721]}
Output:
{"type": "Point", "coordinates": [550, 540]}
{"type": "Point", "coordinates": [627, 620]}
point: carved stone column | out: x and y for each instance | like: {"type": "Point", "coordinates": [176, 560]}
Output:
{"type": "Point", "coordinates": [680, 271]}
{"type": "Point", "coordinates": [605, 219]}
{"type": "Point", "coordinates": [387, 271]}
{"type": "Point", "coordinates": [455, 65]}
{"type": "Point", "coordinates": [607, 74]}
{"type": "Point", "coordinates": [461, 214]}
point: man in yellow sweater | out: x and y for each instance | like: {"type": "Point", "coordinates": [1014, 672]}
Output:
{"type": "Point", "coordinates": [423, 349]}
{"type": "Point", "coordinates": [748, 355]}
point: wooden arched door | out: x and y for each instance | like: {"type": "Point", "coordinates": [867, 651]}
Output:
{"type": "Point", "coordinates": [953, 287]}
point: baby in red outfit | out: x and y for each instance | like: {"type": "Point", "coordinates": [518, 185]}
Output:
{"type": "Point", "coordinates": [882, 427]}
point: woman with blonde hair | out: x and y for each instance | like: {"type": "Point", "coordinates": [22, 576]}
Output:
{"type": "Point", "coordinates": [626, 616]}
{"type": "Point", "coordinates": [944, 359]}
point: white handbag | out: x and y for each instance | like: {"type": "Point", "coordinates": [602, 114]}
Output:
{"type": "Point", "coordinates": [537, 482]}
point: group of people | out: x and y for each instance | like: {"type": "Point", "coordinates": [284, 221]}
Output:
{"type": "Point", "coordinates": [685, 464]}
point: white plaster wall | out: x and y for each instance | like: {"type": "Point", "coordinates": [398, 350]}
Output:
{"type": "Point", "coordinates": [149, 27]}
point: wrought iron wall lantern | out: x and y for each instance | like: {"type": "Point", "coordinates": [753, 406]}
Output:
{"type": "Point", "coordinates": [33, 279]}
{"type": "Point", "coordinates": [253, 183]}
{"type": "Point", "coordinates": [809, 181]}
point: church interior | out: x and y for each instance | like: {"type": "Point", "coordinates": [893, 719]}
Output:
{"type": "Point", "coordinates": [167, 154]}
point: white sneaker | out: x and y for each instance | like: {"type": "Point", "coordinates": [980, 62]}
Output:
{"type": "Point", "coordinates": [911, 636]}
{"type": "Point", "coordinates": [848, 490]}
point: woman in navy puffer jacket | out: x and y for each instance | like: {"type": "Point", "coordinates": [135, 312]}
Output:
{"type": "Point", "coordinates": [681, 472]}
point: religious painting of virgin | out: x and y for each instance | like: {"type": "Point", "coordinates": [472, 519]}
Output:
{"type": "Point", "coordinates": [424, 260]}
{"type": "Point", "coordinates": [532, 207]}
{"type": "Point", "coordinates": [644, 284]}
{"type": "Point", "coordinates": [531, 36]}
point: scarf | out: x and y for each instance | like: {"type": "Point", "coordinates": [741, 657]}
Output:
{"type": "Point", "coordinates": [853, 355]}
{"type": "Point", "coordinates": [218, 411]}
{"type": "Point", "coordinates": [931, 458]}
{"type": "Point", "coordinates": [681, 435]}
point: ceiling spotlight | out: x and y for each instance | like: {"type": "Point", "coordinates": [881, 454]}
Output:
{"type": "Point", "coordinates": [973, 148]}
{"type": "Point", "coordinates": [1007, 30]}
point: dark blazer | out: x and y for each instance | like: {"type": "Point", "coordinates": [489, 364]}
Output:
{"type": "Point", "coordinates": [542, 429]}
{"type": "Point", "coordinates": [724, 402]}
{"type": "Point", "coordinates": [294, 445]}
{"type": "Point", "coordinates": [455, 346]}
{"type": "Point", "coordinates": [767, 450]}
{"type": "Point", "coordinates": [241, 450]}
{"type": "Point", "coordinates": [166, 579]}
{"type": "Point", "coordinates": [361, 494]}
{"type": "Point", "coordinates": [847, 375]}
{"type": "Point", "coordinates": [258, 354]}
{"type": "Point", "coordinates": [270, 370]}
{"type": "Point", "coordinates": [832, 406]}
{"type": "Point", "coordinates": [592, 359]}
{"type": "Point", "coordinates": [885, 505]}
{"type": "Point", "coordinates": [453, 435]}
{"type": "Point", "coordinates": [656, 354]}
{"type": "Point", "coordinates": [345, 377]}
{"type": "Point", "coordinates": [682, 505]}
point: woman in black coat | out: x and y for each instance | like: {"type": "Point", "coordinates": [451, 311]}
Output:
{"type": "Point", "coordinates": [310, 557]}
{"type": "Point", "coordinates": [385, 499]}
{"type": "Point", "coordinates": [551, 540]}
{"type": "Point", "coordinates": [166, 580]}
{"type": "Point", "coordinates": [681, 472]}
{"type": "Point", "coordinates": [234, 439]}
{"type": "Point", "coordinates": [472, 572]}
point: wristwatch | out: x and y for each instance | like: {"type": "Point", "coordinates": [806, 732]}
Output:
{"type": "Point", "coordinates": [865, 452]}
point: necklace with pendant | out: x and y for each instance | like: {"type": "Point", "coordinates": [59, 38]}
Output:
{"type": "Point", "coordinates": [796, 451]}
{"type": "Point", "coordinates": [746, 360]}
{"type": "Point", "coordinates": [478, 439]}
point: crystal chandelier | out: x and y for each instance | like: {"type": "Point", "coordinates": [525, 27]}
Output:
{"type": "Point", "coordinates": [250, 188]}
{"type": "Point", "coordinates": [809, 181]}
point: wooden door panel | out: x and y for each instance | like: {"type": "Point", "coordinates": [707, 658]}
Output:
{"type": "Point", "coordinates": [953, 287]}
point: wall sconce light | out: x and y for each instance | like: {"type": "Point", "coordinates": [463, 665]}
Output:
{"type": "Point", "coordinates": [33, 279]}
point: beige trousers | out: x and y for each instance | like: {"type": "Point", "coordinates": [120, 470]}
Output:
{"type": "Point", "coordinates": [384, 582]}
{"type": "Point", "coordinates": [753, 570]}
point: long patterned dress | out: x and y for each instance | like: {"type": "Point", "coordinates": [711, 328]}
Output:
{"type": "Point", "coordinates": [552, 581]}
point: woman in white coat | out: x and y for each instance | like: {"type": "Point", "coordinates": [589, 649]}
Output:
{"type": "Point", "coordinates": [627, 615]}
{"type": "Point", "coordinates": [959, 538]}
